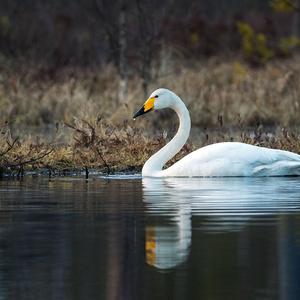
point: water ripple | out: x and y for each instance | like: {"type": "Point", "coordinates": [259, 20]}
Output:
{"type": "Point", "coordinates": [223, 202]}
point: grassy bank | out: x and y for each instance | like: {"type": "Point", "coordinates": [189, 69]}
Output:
{"type": "Point", "coordinates": [89, 129]}
{"type": "Point", "coordinates": [107, 149]}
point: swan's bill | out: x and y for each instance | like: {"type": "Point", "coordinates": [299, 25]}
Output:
{"type": "Point", "coordinates": [148, 106]}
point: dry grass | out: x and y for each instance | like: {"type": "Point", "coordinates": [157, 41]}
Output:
{"type": "Point", "coordinates": [101, 133]}
{"type": "Point", "coordinates": [99, 146]}
{"type": "Point", "coordinates": [94, 145]}
{"type": "Point", "coordinates": [269, 95]}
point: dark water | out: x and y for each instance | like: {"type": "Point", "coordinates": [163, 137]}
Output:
{"type": "Point", "coordinates": [234, 238]}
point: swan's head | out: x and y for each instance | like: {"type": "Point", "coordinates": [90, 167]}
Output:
{"type": "Point", "coordinates": [159, 99]}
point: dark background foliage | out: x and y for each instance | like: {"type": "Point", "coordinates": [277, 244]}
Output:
{"type": "Point", "coordinates": [86, 32]}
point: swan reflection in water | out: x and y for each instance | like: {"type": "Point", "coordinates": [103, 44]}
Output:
{"type": "Point", "coordinates": [225, 204]}
{"type": "Point", "coordinates": [167, 243]}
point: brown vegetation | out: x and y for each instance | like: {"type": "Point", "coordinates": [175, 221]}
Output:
{"type": "Point", "coordinates": [269, 95]}
{"type": "Point", "coordinates": [90, 130]}
{"type": "Point", "coordinates": [101, 147]}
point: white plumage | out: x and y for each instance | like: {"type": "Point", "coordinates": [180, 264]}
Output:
{"type": "Point", "coordinates": [216, 160]}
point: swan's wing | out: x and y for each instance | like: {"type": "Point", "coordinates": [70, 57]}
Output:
{"type": "Point", "coordinates": [280, 168]}
{"type": "Point", "coordinates": [236, 159]}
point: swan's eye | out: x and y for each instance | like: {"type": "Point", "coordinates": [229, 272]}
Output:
{"type": "Point", "coordinates": [156, 96]}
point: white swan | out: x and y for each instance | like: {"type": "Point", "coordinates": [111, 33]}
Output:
{"type": "Point", "coordinates": [216, 160]}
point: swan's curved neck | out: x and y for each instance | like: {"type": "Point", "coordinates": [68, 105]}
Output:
{"type": "Point", "coordinates": [154, 165]}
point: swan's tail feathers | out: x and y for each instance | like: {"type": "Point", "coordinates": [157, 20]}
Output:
{"type": "Point", "coordinates": [281, 168]}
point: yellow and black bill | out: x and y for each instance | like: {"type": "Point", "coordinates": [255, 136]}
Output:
{"type": "Point", "coordinates": [147, 107]}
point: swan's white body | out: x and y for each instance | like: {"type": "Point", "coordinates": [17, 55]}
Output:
{"type": "Point", "coordinates": [216, 160]}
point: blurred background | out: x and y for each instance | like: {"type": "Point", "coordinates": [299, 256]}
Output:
{"type": "Point", "coordinates": [229, 60]}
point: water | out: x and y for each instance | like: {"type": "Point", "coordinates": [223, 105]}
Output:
{"type": "Point", "coordinates": [116, 238]}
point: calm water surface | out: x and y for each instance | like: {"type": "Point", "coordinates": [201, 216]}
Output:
{"type": "Point", "coordinates": [234, 238]}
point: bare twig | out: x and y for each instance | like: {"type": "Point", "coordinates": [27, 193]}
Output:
{"type": "Point", "coordinates": [10, 146]}
{"type": "Point", "coordinates": [32, 160]}
{"type": "Point", "coordinates": [104, 161]}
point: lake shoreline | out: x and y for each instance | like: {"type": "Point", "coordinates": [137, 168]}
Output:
{"type": "Point", "coordinates": [93, 147]}
{"type": "Point", "coordinates": [72, 173]}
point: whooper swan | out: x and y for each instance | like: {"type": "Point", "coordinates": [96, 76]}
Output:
{"type": "Point", "coordinates": [216, 160]}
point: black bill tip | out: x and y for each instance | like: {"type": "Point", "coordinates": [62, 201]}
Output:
{"type": "Point", "coordinates": [140, 112]}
